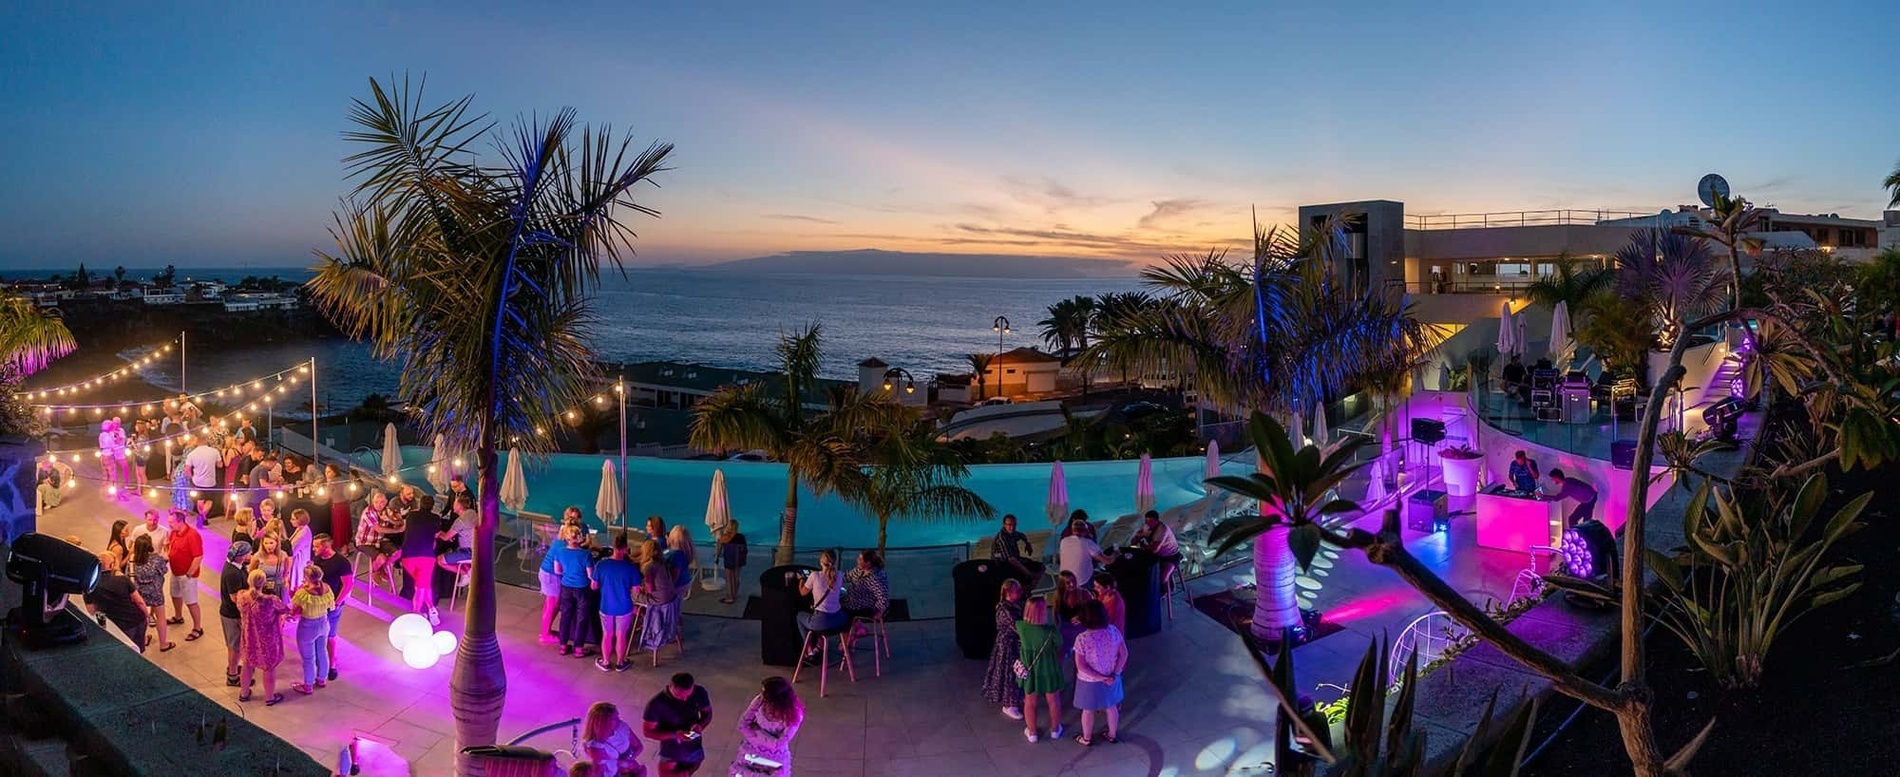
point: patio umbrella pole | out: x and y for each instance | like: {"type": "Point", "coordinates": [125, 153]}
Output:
{"type": "Point", "coordinates": [621, 389]}
{"type": "Point", "coordinates": [316, 457]}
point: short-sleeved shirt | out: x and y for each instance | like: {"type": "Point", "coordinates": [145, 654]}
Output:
{"type": "Point", "coordinates": [574, 563]}
{"type": "Point", "coordinates": [230, 582]}
{"type": "Point", "coordinates": [186, 546]}
{"type": "Point", "coordinates": [617, 577]}
{"type": "Point", "coordinates": [682, 569]}
{"type": "Point", "coordinates": [1008, 545]}
{"type": "Point", "coordinates": [261, 476]}
{"type": "Point", "coordinates": [418, 534]}
{"type": "Point", "coordinates": [160, 536]}
{"type": "Point", "coordinates": [1161, 540]}
{"type": "Point", "coordinates": [464, 528]}
{"type": "Point", "coordinates": [672, 715]}
{"type": "Point", "coordinates": [113, 596]}
{"type": "Point", "coordinates": [203, 463]}
{"type": "Point", "coordinates": [335, 568]}
{"type": "Point", "coordinates": [1077, 555]}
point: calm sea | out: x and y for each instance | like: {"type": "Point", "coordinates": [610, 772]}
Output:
{"type": "Point", "coordinates": [724, 319]}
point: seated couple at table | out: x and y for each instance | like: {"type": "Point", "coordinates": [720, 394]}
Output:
{"type": "Point", "coordinates": [864, 592]}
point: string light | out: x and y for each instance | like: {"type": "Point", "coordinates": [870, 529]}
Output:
{"type": "Point", "coordinates": [150, 358]}
{"type": "Point", "coordinates": [283, 378]}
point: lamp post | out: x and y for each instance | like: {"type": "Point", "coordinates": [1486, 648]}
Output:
{"type": "Point", "coordinates": [1001, 327]}
{"type": "Point", "coordinates": [890, 381]}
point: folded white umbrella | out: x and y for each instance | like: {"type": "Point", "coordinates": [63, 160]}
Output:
{"type": "Point", "coordinates": [718, 506]}
{"type": "Point", "coordinates": [514, 485]}
{"type": "Point", "coordinates": [1213, 460]}
{"type": "Point", "coordinates": [1296, 433]}
{"type": "Point", "coordinates": [392, 453]}
{"type": "Point", "coordinates": [1320, 432]}
{"type": "Point", "coordinates": [1375, 489]}
{"type": "Point", "coordinates": [1507, 331]}
{"type": "Point", "coordinates": [1057, 508]}
{"type": "Point", "coordinates": [1560, 332]}
{"type": "Point", "coordinates": [439, 467]}
{"type": "Point", "coordinates": [1145, 485]}
{"type": "Point", "coordinates": [608, 506]}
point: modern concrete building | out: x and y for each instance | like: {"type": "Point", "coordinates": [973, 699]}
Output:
{"type": "Point", "coordinates": [1021, 371]}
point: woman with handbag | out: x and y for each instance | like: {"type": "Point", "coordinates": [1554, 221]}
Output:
{"type": "Point", "coordinates": [999, 683]}
{"type": "Point", "coordinates": [1100, 657]}
{"type": "Point", "coordinates": [1039, 672]}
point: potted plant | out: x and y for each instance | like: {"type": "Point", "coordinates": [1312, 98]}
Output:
{"type": "Point", "coordinates": [1460, 464]}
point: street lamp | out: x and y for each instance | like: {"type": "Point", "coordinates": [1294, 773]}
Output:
{"type": "Point", "coordinates": [892, 374]}
{"type": "Point", "coordinates": [1001, 327]}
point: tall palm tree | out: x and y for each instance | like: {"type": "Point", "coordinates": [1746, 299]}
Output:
{"type": "Point", "coordinates": [479, 275]}
{"type": "Point", "coordinates": [1573, 282]}
{"type": "Point", "coordinates": [1730, 221]}
{"type": "Point", "coordinates": [1892, 184]}
{"type": "Point", "coordinates": [980, 367]}
{"type": "Point", "coordinates": [1297, 494]}
{"type": "Point", "coordinates": [1673, 277]}
{"type": "Point", "coordinates": [1066, 329]}
{"type": "Point", "coordinates": [914, 476]}
{"type": "Point", "coordinates": [821, 451]}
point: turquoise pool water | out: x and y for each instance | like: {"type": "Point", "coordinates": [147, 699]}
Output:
{"type": "Point", "coordinates": [677, 490]}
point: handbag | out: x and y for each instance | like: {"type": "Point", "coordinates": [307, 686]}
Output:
{"type": "Point", "coordinates": [1021, 669]}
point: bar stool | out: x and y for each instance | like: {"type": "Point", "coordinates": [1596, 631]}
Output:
{"type": "Point", "coordinates": [360, 566]}
{"type": "Point", "coordinates": [462, 576]}
{"type": "Point", "coordinates": [880, 639]}
{"type": "Point", "coordinates": [642, 618]}
{"type": "Point", "coordinates": [1175, 579]}
{"type": "Point", "coordinates": [824, 660]}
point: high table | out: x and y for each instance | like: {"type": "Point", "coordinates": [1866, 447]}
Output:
{"type": "Point", "coordinates": [779, 606]}
{"type": "Point", "coordinates": [1137, 575]}
{"type": "Point", "coordinates": [1511, 520]}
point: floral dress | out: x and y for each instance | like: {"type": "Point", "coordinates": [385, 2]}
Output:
{"type": "Point", "coordinates": [999, 684]}
{"type": "Point", "coordinates": [150, 577]}
{"type": "Point", "coordinates": [768, 738]}
{"type": "Point", "coordinates": [263, 641]}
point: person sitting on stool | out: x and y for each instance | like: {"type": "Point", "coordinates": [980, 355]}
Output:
{"type": "Point", "coordinates": [1523, 473]}
{"type": "Point", "coordinates": [1571, 488]}
{"type": "Point", "coordinates": [1155, 537]}
{"type": "Point", "coordinates": [1513, 376]}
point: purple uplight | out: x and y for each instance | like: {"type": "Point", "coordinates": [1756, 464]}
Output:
{"type": "Point", "coordinates": [1577, 556]}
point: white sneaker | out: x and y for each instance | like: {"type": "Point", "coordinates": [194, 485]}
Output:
{"type": "Point", "coordinates": [435, 619]}
{"type": "Point", "coordinates": [1014, 713]}
{"type": "Point", "coordinates": [1031, 736]}
{"type": "Point", "coordinates": [1055, 734]}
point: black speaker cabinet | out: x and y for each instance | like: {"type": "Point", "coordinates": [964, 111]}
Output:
{"type": "Point", "coordinates": [1428, 430]}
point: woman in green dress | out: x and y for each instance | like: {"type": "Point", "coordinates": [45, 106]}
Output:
{"type": "Point", "coordinates": [1041, 653]}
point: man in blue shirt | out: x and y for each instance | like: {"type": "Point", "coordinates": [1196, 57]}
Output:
{"type": "Point", "coordinates": [615, 578]}
{"type": "Point", "coordinates": [1523, 473]}
{"type": "Point", "coordinates": [1571, 488]}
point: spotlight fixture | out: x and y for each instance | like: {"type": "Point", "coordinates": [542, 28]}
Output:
{"type": "Point", "coordinates": [1589, 550]}
{"type": "Point", "coordinates": [48, 570]}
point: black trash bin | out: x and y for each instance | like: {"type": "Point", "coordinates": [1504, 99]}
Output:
{"type": "Point", "coordinates": [976, 585]}
{"type": "Point", "coordinates": [779, 606]}
{"type": "Point", "coordinates": [1138, 578]}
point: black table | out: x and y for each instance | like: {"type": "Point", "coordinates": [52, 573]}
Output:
{"type": "Point", "coordinates": [779, 606]}
{"type": "Point", "coordinates": [976, 586]}
{"type": "Point", "coordinates": [1138, 578]}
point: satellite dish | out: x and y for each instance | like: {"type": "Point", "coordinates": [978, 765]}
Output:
{"type": "Point", "coordinates": [1710, 187]}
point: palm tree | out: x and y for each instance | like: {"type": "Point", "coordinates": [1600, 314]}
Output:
{"type": "Point", "coordinates": [30, 337]}
{"type": "Point", "coordinates": [1728, 226]}
{"type": "Point", "coordinates": [1573, 282]}
{"type": "Point", "coordinates": [1296, 492]}
{"type": "Point", "coordinates": [1892, 184]}
{"type": "Point", "coordinates": [913, 476]}
{"type": "Point", "coordinates": [1673, 277]}
{"type": "Point", "coordinates": [980, 367]}
{"type": "Point", "coordinates": [478, 275]}
{"type": "Point", "coordinates": [821, 451]}
{"type": "Point", "coordinates": [1066, 330]}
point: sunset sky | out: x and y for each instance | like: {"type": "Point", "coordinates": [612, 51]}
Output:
{"type": "Point", "coordinates": [201, 135]}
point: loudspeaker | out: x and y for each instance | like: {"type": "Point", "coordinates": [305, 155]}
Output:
{"type": "Point", "coordinates": [1430, 431]}
{"type": "Point", "coordinates": [1623, 454]}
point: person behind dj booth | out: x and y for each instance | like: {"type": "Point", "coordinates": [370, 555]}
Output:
{"type": "Point", "coordinates": [1523, 472]}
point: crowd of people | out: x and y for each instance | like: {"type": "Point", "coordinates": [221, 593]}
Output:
{"type": "Point", "coordinates": [609, 601]}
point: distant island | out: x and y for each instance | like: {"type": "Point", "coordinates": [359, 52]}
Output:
{"type": "Point", "coordinates": [871, 261]}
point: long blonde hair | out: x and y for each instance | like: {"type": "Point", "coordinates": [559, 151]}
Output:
{"type": "Point", "coordinates": [599, 720]}
{"type": "Point", "coordinates": [680, 539]}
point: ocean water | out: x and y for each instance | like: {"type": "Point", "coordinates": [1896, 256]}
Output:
{"type": "Point", "coordinates": [726, 319]}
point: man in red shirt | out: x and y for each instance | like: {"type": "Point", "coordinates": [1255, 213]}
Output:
{"type": "Point", "coordinates": [187, 556]}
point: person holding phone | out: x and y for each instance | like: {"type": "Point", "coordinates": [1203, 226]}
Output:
{"type": "Point", "coordinates": [674, 718]}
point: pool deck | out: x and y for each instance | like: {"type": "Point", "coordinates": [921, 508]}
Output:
{"type": "Point", "coordinates": [1196, 704]}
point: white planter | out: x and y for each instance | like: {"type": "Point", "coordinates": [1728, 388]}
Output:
{"type": "Point", "coordinates": [1461, 476]}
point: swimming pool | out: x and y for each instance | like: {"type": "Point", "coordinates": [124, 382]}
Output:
{"type": "Point", "coordinates": [677, 490]}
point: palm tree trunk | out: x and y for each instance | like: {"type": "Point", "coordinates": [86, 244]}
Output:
{"type": "Point", "coordinates": [1276, 607]}
{"type": "Point", "coordinates": [1735, 278]}
{"type": "Point", "coordinates": [788, 521]}
{"type": "Point", "coordinates": [478, 687]}
{"type": "Point", "coordinates": [883, 532]}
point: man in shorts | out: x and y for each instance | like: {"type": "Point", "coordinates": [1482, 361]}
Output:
{"type": "Point", "coordinates": [230, 582]}
{"type": "Point", "coordinates": [186, 552]}
{"type": "Point", "coordinates": [675, 718]}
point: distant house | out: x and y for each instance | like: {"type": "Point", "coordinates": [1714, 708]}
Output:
{"type": "Point", "coordinates": [246, 302]}
{"type": "Point", "coordinates": [954, 388]}
{"type": "Point", "coordinates": [167, 297]}
{"type": "Point", "coordinates": [1022, 371]}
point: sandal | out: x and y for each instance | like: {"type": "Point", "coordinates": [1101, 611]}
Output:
{"type": "Point", "coordinates": [1112, 740]}
{"type": "Point", "coordinates": [175, 621]}
{"type": "Point", "coordinates": [274, 700]}
{"type": "Point", "coordinates": [1083, 740]}
{"type": "Point", "coordinates": [168, 646]}
{"type": "Point", "coordinates": [303, 689]}
{"type": "Point", "coordinates": [194, 635]}
{"type": "Point", "coordinates": [231, 680]}
{"type": "Point", "coordinates": [244, 695]}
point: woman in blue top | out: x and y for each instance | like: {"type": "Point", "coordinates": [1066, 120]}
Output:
{"type": "Point", "coordinates": [572, 561]}
{"type": "Point", "coordinates": [551, 587]}
{"type": "Point", "coordinates": [615, 578]}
